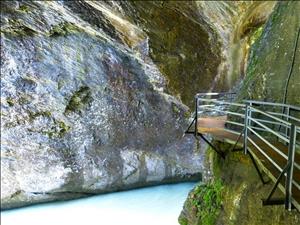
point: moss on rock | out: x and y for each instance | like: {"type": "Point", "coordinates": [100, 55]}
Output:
{"type": "Point", "coordinates": [10, 101]}
{"type": "Point", "coordinates": [18, 28]}
{"type": "Point", "coordinates": [79, 100]}
{"type": "Point", "coordinates": [205, 203]}
{"type": "Point", "coordinates": [238, 197]}
{"type": "Point", "coordinates": [63, 29]}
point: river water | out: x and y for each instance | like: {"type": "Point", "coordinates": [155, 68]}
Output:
{"type": "Point", "coordinates": [158, 205]}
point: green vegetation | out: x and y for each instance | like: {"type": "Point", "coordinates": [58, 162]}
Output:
{"type": "Point", "coordinates": [24, 8]}
{"type": "Point", "coordinates": [211, 200]}
{"type": "Point", "coordinates": [254, 40]}
{"type": "Point", "coordinates": [79, 100]}
{"type": "Point", "coordinates": [59, 128]}
{"type": "Point", "coordinates": [256, 35]}
{"type": "Point", "coordinates": [56, 131]}
{"type": "Point", "coordinates": [205, 201]}
{"type": "Point", "coordinates": [18, 28]}
{"type": "Point", "coordinates": [10, 101]}
{"type": "Point", "coordinates": [63, 128]}
{"type": "Point", "coordinates": [182, 221]}
{"type": "Point", "coordinates": [33, 116]}
{"type": "Point", "coordinates": [63, 29]}
{"type": "Point", "coordinates": [235, 200]}
{"type": "Point", "coordinates": [175, 109]}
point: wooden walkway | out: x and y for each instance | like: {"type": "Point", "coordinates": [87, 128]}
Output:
{"type": "Point", "coordinates": [215, 127]}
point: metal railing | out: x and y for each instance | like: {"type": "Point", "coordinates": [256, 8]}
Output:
{"type": "Point", "coordinates": [258, 124]}
{"type": "Point", "coordinates": [289, 138]}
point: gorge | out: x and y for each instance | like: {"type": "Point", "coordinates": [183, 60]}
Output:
{"type": "Point", "coordinates": [96, 95]}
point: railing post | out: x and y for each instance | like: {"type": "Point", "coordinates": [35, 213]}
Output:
{"type": "Point", "coordinates": [289, 175]}
{"type": "Point", "coordinates": [246, 128]}
{"type": "Point", "coordinates": [250, 115]}
{"type": "Point", "coordinates": [287, 119]}
{"type": "Point", "coordinates": [196, 116]}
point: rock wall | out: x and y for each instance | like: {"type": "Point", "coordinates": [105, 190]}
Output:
{"type": "Point", "coordinates": [92, 92]}
{"type": "Point", "coordinates": [80, 112]}
{"type": "Point", "coordinates": [271, 58]}
{"type": "Point", "coordinates": [199, 46]}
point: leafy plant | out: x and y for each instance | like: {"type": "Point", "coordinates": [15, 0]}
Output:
{"type": "Point", "coordinates": [206, 200]}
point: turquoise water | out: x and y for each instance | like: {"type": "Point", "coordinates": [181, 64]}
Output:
{"type": "Point", "coordinates": [159, 205]}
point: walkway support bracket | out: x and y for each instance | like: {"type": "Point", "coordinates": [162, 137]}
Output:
{"type": "Point", "coordinates": [268, 200]}
{"type": "Point", "coordinates": [257, 169]}
{"type": "Point", "coordinates": [220, 153]}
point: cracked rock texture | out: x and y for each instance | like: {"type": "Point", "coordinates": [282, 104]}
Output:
{"type": "Point", "coordinates": [95, 95]}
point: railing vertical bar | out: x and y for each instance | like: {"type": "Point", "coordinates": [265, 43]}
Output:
{"type": "Point", "coordinates": [250, 115]}
{"type": "Point", "coordinates": [287, 119]}
{"type": "Point", "coordinates": [196, 116]}
{"type": "Point", "coordinates": [246, 129]}
{"type": "Point", "coordinates": [289, 176]}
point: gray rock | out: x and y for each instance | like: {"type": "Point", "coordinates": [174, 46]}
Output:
{"type": "Point", "coordinates": [82, 113]}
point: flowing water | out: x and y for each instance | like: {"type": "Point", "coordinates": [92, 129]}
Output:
{"type": "Point", "coordinates": [159, 205]}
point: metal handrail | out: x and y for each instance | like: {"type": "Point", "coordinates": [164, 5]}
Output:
{"type": "Point", "coordinates": [222, 102]}
{"type": "Point", "coordinates": [266, 155]}
{"type": "Point", "coordinates": [268, 143]}
{"type": "Point", "coordinates": [270, 116]}
{"type": "Point", "coordinates": [269, 129]}
{"type": "Point", "coordinates": [284, 115]}
{"type": "Point", "coordinates": [215, 93]}
{"type": "Point", "coordinates": [296, 108]}
{"type": "Point", "coordinates": [284, 120]}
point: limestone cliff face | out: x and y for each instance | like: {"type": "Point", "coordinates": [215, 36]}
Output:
{"type": "Point", "coordinates": [271, 58]}
{"type": "Point", "coordinates": [92, 92]}
{"type": "Point", "coordinates": [80, 112]}
{"type": "Point", "coordinates": [198, 46]}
